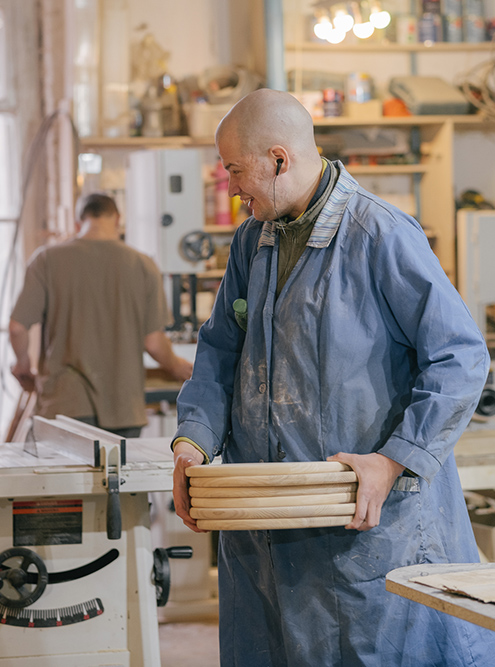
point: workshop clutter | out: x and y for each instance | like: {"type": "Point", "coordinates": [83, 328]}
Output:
{"type": "Point", "coordinates": [160, 105]}
{"type": "Point", "coordinates": [259, 496]}
{"type": "Point", "coordinates": [355, 96]}
{"type": "Point", "coordinates": [208, 97]}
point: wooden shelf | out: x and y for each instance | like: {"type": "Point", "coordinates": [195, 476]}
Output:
{"type": "Point", "coordinates": [144, 142]}
{"type": "Point", "coordinates": [376, 169]}
{"type": "Point", "coordinates": [127, 143]}
{"type": "Point", "coordinates": [212, 273]}
{"type": "Point", "coordinates": [346, 121]}
{"type": "Point", "coordinates": [385, 47]}
{"type": "Point", "coordinates": [220, 229]}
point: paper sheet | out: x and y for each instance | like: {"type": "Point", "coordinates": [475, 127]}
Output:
{"type": "Point", "coordinates": [476, 584]}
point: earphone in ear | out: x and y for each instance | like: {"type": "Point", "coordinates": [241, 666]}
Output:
{"type": "Point", "coordinates": [279, 166]}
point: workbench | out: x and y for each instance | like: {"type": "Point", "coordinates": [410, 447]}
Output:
{"type": "Point", "coordinates": [480, 613]}
{"type": "Point", "coordinates": [475, 458]}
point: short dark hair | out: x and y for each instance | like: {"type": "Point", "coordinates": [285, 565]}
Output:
{"type": "Point", "coordinates": [95, 205]}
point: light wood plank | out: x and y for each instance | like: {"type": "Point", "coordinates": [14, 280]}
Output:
{"type": "Point", "coordinates": [272, 512]}
{"type": "Point", "coordinates": [277, 501]}
{"type": "Point", "coordinates": [275, 480]}
{"type": "Point", "coordinates": [274, 524]}
{"type": "Point", "coordinates": [250, 469]}
{"type": "Point", "coordinates": [261, 492]}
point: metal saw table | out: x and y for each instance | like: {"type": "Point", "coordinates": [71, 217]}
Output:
{"type": "Point", "coordinates": [77, 569]}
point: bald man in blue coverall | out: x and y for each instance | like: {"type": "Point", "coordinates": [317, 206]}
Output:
{"type": "Point", "coordinates": [357, 348]}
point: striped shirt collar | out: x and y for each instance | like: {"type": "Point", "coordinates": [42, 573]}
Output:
{"type": "Point", "coordinates": [328, 221]}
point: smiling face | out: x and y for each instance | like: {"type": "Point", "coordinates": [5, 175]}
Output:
{"type": "Point", "coordinates": [250, 176]}
{"type": "Point", "coordinates": [264, 128]}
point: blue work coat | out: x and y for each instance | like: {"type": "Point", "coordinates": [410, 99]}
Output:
{"type": "Point", "coordinates": [368, 348]}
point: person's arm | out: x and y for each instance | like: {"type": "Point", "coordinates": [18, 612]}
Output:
{"type": "Point", "coordinates": [21, 370]}
{"type": "Point", "coordinates": [158, 345]}
{"type": "Point", "coordinates": [449, 363]}
{"type": "Point", "coordinates": [204, 403]}
{"type": "Point", "coordinates": [185, 455]}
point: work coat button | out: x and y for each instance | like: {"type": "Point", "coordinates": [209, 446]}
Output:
{"type": "Point", "coordinates": [262, 388]}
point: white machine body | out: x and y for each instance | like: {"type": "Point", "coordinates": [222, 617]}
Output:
{"type": "Point", "coordinates": [475, 262]}
{"type": "Point", "coordinates": [120, 598]}
{"type": "Point", "coordinates": [164, 203]}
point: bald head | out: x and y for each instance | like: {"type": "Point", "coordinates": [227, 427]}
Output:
{"type": "Point", "coordinates": [266, 143]}
{"type": "Point", "coordinates": [267, 117]}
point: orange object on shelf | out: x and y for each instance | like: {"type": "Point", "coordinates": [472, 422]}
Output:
{"type": "Point", "coordinates": [395, 107]}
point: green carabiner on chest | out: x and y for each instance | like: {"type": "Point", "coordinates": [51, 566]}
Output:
{"type": "Point", "coordinates": [240, 312]}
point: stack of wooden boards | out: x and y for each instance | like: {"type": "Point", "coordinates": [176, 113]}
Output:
{"type": "Point", "coordinates": [266, 496]}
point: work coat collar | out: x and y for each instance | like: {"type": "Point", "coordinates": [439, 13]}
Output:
{"type": "Point", "coordinates": [328, 221]}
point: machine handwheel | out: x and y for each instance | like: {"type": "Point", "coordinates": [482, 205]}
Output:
{"type": "Point", "coordinates": [196, 246]}
{"type": "Point", "coordinates": [14, 577]}
{"type": "Point", "coordinates": [161, 570]}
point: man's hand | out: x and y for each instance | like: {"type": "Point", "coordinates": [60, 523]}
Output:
{"type": "Point", "coordinates": [21, 370]}
{"type": "Point", "coordinates": [24, 375]}
{"type": "Point", "coordinates": [181, 369]}
{"type": "Point", "coordinates": [185, 455]}
{"type": "Point", "coordinates": [159, 346]}
{"type": "Point", "coordinates": [376, 476]}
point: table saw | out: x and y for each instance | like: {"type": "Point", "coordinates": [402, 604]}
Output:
{"type": "Point", "coordinates": [77, 568]}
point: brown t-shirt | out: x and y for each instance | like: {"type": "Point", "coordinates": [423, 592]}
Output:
{"type": "Point", "coordinates": [96, 301]}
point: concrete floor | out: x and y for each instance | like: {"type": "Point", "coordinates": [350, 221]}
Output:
{"type": "Point", "coordinates": [189, 644]}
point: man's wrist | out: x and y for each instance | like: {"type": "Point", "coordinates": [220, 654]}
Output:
{"type": "Point", "coordinates": [186, 446]}
{"type": "Point", "coordinates": [394, 466]}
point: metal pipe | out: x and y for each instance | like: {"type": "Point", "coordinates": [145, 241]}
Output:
{"type": "Point", "coordinates": [274, 33]}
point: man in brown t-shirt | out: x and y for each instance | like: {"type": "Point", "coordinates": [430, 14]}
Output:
{"type": "Point", "coordinates": [100, 304]}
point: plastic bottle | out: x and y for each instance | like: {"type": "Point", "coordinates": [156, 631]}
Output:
{"type": "Point", "coordinates": [223, 215]}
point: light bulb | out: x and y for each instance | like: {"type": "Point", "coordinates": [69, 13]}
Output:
{"type": "Point", "coordinates": [336, 36]}
{"type": "Point", "coordinates": [380, 19]}
{"type": "Point", "coordinates": [323, 28]}
{"type": "Point", "coordinates": [363, 30]}
{"type": "Point", "coordinates": [343, 21]}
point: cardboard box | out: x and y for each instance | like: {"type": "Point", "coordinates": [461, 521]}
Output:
{"type": "Point", "coordinates": [363, 110]}
{"type": "Point", "coordinates": [203, 118]}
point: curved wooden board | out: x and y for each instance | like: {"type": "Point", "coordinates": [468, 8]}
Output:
{"type": "Point", "coordinates": [275, 480]}
{"type": "Point", "coordinates": [273, 524]}
{"type": "Point", "coordinates": [272, 512]}
{"type": "Point", "coordinates": [250, 469]}
{"type": "Point", "coordinates": [277, 501]}
{"type": "Point", "coordinates": [262, 492]}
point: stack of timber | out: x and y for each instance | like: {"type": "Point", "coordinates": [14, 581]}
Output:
{"type": "Point", "coordinates": [266, 496]}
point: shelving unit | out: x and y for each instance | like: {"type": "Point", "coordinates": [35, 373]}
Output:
{"type": "Point", "coordinates": [431, 180]}
{"type": "Point", "coordinates": [432, 176]}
